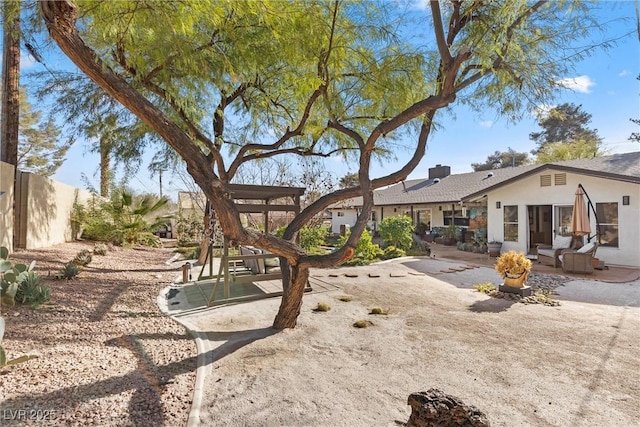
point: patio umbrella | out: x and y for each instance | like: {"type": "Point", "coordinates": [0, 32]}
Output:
{"type": "Point", "coordinates": [580, 225]}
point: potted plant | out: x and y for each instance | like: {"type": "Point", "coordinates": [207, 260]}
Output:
{"type": "Point", "coordinates": [449, 235]}
{"type": "Point", "coordinates": [494, 248]}
{"type": "Point", "coordinates": [514, 267]}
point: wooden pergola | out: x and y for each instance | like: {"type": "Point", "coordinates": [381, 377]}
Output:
{"type": "Point", "coordinates": [250, 199]}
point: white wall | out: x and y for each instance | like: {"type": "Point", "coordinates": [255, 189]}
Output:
{"type": "Point", "coordinates": [529, 192]}
{"type": "Point", "coordinates": [349, 218]}
{"type": "Point", "coordinates": [45, 211]}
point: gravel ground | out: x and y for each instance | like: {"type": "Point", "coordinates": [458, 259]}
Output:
{"type": "Point", "coordinates": [107, 356]}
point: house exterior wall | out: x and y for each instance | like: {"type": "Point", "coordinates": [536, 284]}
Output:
{"type": "Point", "coordinates": [6, 205]}
{"type": "Point", "coordinates": [528, 192]}
{"type": "Point", "coordinates": [341, 217]}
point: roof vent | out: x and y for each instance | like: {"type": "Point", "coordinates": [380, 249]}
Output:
{"type": "Point", "coordinates": [437, 180]}
{"type": "Point", "coordinates": [490, 174]}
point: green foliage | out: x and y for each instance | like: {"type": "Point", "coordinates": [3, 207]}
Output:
{"type": "Point", "coordinates": [366, 250]}
{"type": "Point", "coordinates": [100, 249]}
{"type": "Point", "coordinates": [565, 124]}
{"type": "Point", "coordinates": [577, 149]}
{"type": "Point", "coordinates": [322, 306]}
{"type": "Point", "coordinates": [391, 252]}
{"type": "Point", "coordinates": [82, 258]}
{"type": "Point", "coordinates": [504, 159]}
{"type": "Point", "coordinates": [189, 227]}
{"type": "Point", "coordinates": [69, 271]}
{"type": "Point", "coordinates": [485, 287]}
{"type": "Point", "coordinates": [124, 219]}
{"type": "Point", "coordinates": [312, 236]}
{"type": "Point", "coordinates": [4, 360]}
{"type": "Point", "coordinates": [396, 231]}
{"type": "Point", "coordinates": [31, 291]}
{"type": "Point", "coordinates": [12, 277]}
{"type": "Point", "coordinates": [41, 150]}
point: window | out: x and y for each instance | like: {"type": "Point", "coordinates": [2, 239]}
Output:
{"type": "Point", "coordinates": [511, 223]}
{"type": "Point", "coordinates": [560, 179]}
{"type": "Point", "coordinates": [608, 219]}
{"type": "Point", "coordinates": [340, 213]}
{"type": "Point", "coordinates": [545, 180]}
{"type": "Point", "coordinates": [459, 219]}
{"type": "Point", "coordinates": [563, 220]}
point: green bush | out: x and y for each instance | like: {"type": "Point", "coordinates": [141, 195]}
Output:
{"type": "Point", "coordinates": [69, 271]}
{"type": "Point", "coordinates": [190, 228]}
{"type": "Point", "coordinates": [396, 231]}
{"type": "Point", "coordinates": [366, 250]}
{"type": "Point", "coordinates": [312, 236]}
{"type": "Point", "coordinates": [391, 252]}
{"type": "Point", "coordinates": [124, 219]}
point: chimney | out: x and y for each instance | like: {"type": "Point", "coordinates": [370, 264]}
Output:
{"type": "Point", "coordinates": [439, 171]}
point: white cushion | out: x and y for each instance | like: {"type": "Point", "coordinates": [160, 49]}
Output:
{"type": "Point", "coordinates": [587, 247]}
{"type": "Point", "coordinates": [562, 242]}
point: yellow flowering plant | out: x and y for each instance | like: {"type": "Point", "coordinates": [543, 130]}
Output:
{"type": "Point", "coordinates": [513, 264]}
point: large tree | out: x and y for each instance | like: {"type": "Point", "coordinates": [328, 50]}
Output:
{"type": "Point", "coordinates": [564, 124]}
{"type": "Point", "coordinates": [225, 83]}
{"type": "Point", "coordinates": [40, 148]}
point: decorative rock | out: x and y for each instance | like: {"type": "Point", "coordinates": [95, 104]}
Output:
{"type": "Point", "coordinates": [437, 409]}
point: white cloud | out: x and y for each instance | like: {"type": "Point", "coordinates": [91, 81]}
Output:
{"type": "Point", "coordinates": [623, 73]}
{"type": "Point", "coordinates": [26, 61]}
{"type": "Point", "coordinates": [486, 123]}
{"type": "Point", "coordinates": [420, 4]}
{"type": "Point", "coordinates": [578, 84]}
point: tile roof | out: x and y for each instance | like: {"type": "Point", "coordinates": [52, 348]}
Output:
{"type": "Point", "coordinates": [454, 188]}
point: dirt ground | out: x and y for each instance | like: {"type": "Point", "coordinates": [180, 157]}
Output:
{"type": "Point", "coordinates": [107, 355]}
{"type": "Point", "coordinates": [523, 365]}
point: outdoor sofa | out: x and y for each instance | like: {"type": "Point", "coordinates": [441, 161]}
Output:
{"type": "Point", "coordinates": [550, 254]}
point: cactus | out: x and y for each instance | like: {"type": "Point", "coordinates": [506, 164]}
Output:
{"type": "Point", "coordinates": [3, 356]}
{"type": "Point", "coordinates": [12, 276]}
{"type": "Point", "coordinates": [82, 258]}
{"type": "Point", "coordinates": [69, 271]}
{"type": "Point", "coordinates": [31, 291]}
{"type": "Point", "coordinates": [100, 249]}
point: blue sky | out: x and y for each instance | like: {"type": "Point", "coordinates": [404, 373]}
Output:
{"type": "Point", "coordinates": [604, 84]}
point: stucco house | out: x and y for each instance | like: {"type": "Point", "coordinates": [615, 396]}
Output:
{"type": "Point", "coordinates": [521, 206]}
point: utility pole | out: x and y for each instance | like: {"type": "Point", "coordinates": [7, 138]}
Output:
{"type": "Point", "coordinates": [10, 110]}
{"type": "Point", "coordinates": [160, 175]}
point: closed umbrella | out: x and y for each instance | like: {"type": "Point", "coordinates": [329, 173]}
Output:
{"type": "Point", "coordinates": [580, 225]}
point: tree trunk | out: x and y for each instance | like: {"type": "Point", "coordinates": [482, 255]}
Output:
{"type": "Point", "coordinates": [294, 280]}
{"type": "Point", "coordinates": [10, 83]}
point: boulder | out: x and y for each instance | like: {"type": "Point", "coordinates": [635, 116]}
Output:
{"type": "Point", "coordinates": [434, 408]}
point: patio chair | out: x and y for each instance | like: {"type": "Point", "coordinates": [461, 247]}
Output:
{"type": "Point", "coordinates": [579, 261]}
{"type": "Point", "coordinates": [550, 255]}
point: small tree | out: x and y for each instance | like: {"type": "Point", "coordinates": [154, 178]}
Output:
{"type": "Point", "coordinates": [396, 231]}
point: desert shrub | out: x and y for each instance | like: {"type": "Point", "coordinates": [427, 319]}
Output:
{"type": "Point", "coordinates": [391, 252]}
{"type": "Point", "coordinates": [396, 231]}
{"type": "Point", "coordinates": [378, 310]}
{"type": "Point", "coordinates": [312, 236]}
{"type": "Point", "coordinates": [322, 306]}
{"type": "Point", "coordinates": [100, 249]}
{"type": "Point", "coordinates": [485, 287]}
{"type": "Point", "coordinates": [82, 258]}
{"type": "Point", "coordinates": [190, 228]}
{"type": "Point", "coordinates": [69, 271]}
{"type": "Point", "coordinates": [366, 250]}
{"type": "Point", "coordinates": [124, 219]}
{"type": "Point", "coordinates": [345, 298]}
{"type": "Point", "coordinates": [362, 323]}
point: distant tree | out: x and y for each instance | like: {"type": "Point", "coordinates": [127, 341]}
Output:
{"type": "Point", "coordinates": [635, 136]}
{"type": "Point", "coordinates": [577, 149]}
{"type": "Point", "coordinates": [40, 149]}
{"type": "Point", "coordinates": [565, 123]}
{"type": "Point", "coordinates": [502, 159]}
{"type": "Point", "coordinates": [349, 180]}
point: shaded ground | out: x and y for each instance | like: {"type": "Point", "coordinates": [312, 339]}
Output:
{"type": "Point", "coordinates": [107, 355]}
